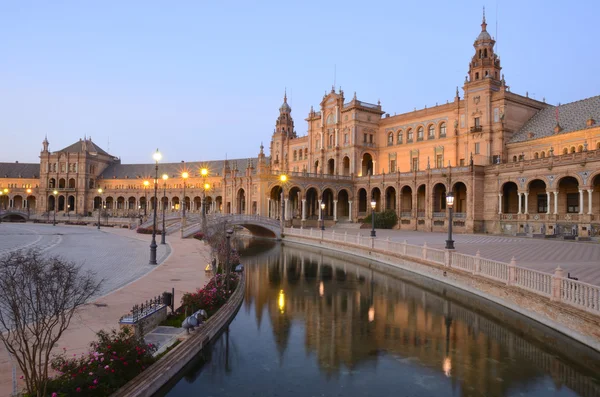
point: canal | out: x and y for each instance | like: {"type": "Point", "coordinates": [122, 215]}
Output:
{"type": "Point", "coordinates": [316, 323]}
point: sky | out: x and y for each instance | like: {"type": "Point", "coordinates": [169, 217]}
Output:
{"type": "Point", "coordinates": [204, 80]}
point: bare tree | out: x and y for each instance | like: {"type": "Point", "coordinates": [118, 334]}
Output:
{"type": "Point", "coordinates": [38, 297]}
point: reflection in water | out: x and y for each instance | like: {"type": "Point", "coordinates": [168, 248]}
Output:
{"type": "Point", "coordinates": [312, 324]}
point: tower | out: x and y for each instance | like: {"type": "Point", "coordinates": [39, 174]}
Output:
{"type": "Point", "coordinates": [284, 131]}
{"type": "Point", "coordinates": [484, 64]}
{"type": "Point", "coordinates": [45, 144]}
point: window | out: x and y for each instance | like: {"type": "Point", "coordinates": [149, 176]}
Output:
{"type": "Point", "coordinates": [409, 137]}
{"type": "Point", "coordinates": [462, 162]}
{"type": "Point", "coordinates": [573, 203]}
{"type": "Point", "coordinates": [399, 139]}
{"type": "Point", "coordinates": [542, 203]}
{"type": "Point", "coordinates": [365, 138]}
{"type": "Point", "coordinates": [496, 159]}
{"type": "Point", "coordinates": [370, 138]}
{"type": "Point", "coordinates": [477, 148]}
{"type": "Point", "coordinates": [300, 154]}
{"type": "Point", "coordinates": [477, 76]}
{"type": "Point", "coordinates": [442, 130]}
{"type": "Point", "coordinates": [346, 138]}
{"type": "Point", "coordinates": [565, 151]}
{"type": "Point", "coordinates": [580, 148]}
{"type": "Point", "coordinates": [390, 138]}
{"type": "Point", "coordinates": [392, 166]}
{"type": "Point", "coordinates": [536, 155]}
{"type": "Point", "coordinates": [514, 159]}
{"type": "Point", "coordinates": [420, 134]}
{"type": "Point", "coordinates": [542, 154]}
{"type": "Point", "coordinates": [572, 149]}
{"type": "Point", "coordinates": [415, 164]}
{"type": "Point", "coordinates": [331, 140]}
{"type": "Point", "coordinates": [476, 120]}
{"type": "Point", "coordinates": [295, 155]}
{"type": "Point", "coordinates": [306, 153]}
{"type": "Point", "coordinates": [431, 132]}
{"type": "Point", "coordinates": [439, 161]}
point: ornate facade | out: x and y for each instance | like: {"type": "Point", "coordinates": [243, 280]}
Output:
{"type": "Point", "coordinates": [514, 164]}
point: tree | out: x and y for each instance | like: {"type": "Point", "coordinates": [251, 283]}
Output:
{"type": "Point", "coordinates": [217, 240]}
{"type": "Point", "coordinates": [38, 297]}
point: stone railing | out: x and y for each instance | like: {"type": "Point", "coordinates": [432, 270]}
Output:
{"type": "Point", "coordinates": [557, 288]}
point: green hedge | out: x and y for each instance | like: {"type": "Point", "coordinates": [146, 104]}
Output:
{"type": "Point", "coordinates": [383, 220]}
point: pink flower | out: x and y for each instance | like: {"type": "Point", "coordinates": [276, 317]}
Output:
{"type": "Point", "coordinates": [91, 373]}
{"type": "Point", "coordinates": [54, 395]}
{"type": "Point", "coordinates": [95, 381]}
{"type": "Point", "coordinates": [106, 367]}
{"type": "Point", "coordinates": [21, 377]}
{"type": "Point", "coordinates": [78, 389]}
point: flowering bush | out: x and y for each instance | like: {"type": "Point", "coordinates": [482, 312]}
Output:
{"type": "Point", "coordinates": [116, 358]}
{"type": "Point", "coordinates": [212, 296]}
{"type": "Point", "coordinates": [199, 236]}
{"type": "Point", "coordinates": [147, 230]}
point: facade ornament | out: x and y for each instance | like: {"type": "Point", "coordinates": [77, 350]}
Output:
{"type": "Point", "coordinates": [584, 175]}
{"type": "Point", "coordinates": [522, 181]}
{"type": "Point", "coordinates": [551, 179]}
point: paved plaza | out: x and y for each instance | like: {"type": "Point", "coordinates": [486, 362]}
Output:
{"type": "Point", "coordinates": [581, 259]}
{"type": "Point", "coordinates": [117, 259]}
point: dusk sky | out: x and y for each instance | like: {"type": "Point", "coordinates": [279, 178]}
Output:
{"type": "Point", "coordinates": [201, 80]}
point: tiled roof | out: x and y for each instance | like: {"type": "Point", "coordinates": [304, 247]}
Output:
{"type": "Point", "coordinates": [571, 116]}
{"type": "Point", "coordinates": [133, 171]}
{"type": "Point", "coordinates": [77, 147]}
{"type": "Point", "coordinates": [19, 170]}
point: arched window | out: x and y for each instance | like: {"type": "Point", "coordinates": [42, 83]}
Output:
{"type": "Point", "coordinates": [409, 135]}
{"type": "Point", "coordinates": [536, 155]}
{"type": "Point", "coordinates": [572, 149]}
{"type": "Point", "coordinates": [295, 155]}
{"type": "Point", "coordinates": [420, 133]}
{"type": "Point", "coordinates": [442, 130]}
{"type": "Point", "coordinates": [542, 154]}
{"type": "Point", "coordinates": [306, 153]}
{"type": "Point", "coordinates": [514, 159]}
{"type": "Point", "coordinates": [331, 140]}
{"type": "Point", "coordinates": [300, 154]}
{"type": "Point", "coordinates": [565, 151]}
{"type": "Point", "coordinates": [477, 76]}
{"type": "Point", "coordinates": [399, 140]}
{"type": "Point", "coordinates": [598, 146]}
{"type": "Point", "coordinates": [390, 138]}
{"type": "Point", "coordinates": [431, 133]}
{"type": "Point", "coordinates": [580, 148]}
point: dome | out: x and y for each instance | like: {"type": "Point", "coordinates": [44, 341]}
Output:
{"type": "Point", "coordinates": [484, 35]}
{"type": "Point", "coordinates": [285, 107]}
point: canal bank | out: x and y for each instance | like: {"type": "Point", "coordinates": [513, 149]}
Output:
{"type": "Point", "coordinates": [582, 326]}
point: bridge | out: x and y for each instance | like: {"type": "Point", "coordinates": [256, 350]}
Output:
{"type": "Point", "coordinates": [13, 216]}
{"type": "Point", "coordinates": [257, 225]}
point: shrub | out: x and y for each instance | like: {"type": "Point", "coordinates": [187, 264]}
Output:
{"type": "Point", "coordinates": [147, 230]}
{"type": "Point", "coordinates": [199, 236]}
{"type": "Point", "coordinates": [211, 297]}
{"type": "Point", "coordinates": [78, 223]}
{"type": "Point", "coordinates": [114, 359]}
{"type": "Point", "coordinates": [383, 220]}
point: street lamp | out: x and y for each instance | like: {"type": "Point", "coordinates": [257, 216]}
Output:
{"type": "Point", "coordinates": [27, 201]}
{"type": "Point", "coordinates": [450, 203]}
{"type": "Point", "coordinates": [184, 176]}
{"type": "Point", "coordinates": [146, 183]}
{"type": "Point", "coordinates": [55, 198]}
{"type": "Point", "coordinates": [68, 209]}
{"type": "Point", "coordinates": [206, 186]}
{"type": "Point", "coordinates": [1, 193]}
{"type": "Point", "coordinates": [164, 208]}
{"type": "Point", "coordinates": [373, 205]}
{"type": "Point", "coordinates": [157, 156]}
{"type": "Point", "coordinates": [322, 215]}
{"type": "Point", "coordinates": [99, 206]}
{"type": "Point", "coordinates": [283, 178]}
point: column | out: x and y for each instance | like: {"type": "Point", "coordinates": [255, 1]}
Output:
{"type": "Point", "coordinates": [590, 201]}
{"type": "Point", "coordinates": [336, 138]}
{"type": "Point", "coordinates": [350, 211]}
{"type": "Point", "coordinates": [287, 209]}
{"type": "Point", "coordinates": [519, 203]}
{"type": "Point", "coordinates": [555, 203]}
{"type": "Point", "coordinates": [303, 209]}
{"type": "Point", "coordinates": [580, 201]}
{"type": "Point", "coordinates": [335, 210]}
{"type": "Point", "coordinates": [548, 203]}
{"type": "Point", "coordinates": [269, 215]}
{"type": "Point", "coordinates": [499, 203]}
{"type": "Point", "coordinates": [526, 194]}
{"type": "Point", "coordinates": [320, 213]}
{"type": "Point", "coordinates": [374, 168]}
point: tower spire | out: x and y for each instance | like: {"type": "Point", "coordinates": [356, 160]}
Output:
{"type": "Point", "coordinates": [483, 23]}
{"type": "Point", "coordinates": [285, 95]}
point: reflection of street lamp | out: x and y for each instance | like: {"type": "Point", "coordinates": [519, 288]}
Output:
{"type": "Point", "coordinates": [184, 176]}
{"type": "Point", "coordinates": [157, 156]}
{"type": "Point", "coordinates": [55, 198]}
{"type": "Point", "coordinates": [146, 183]}
{"type": "Point", "coordinates": [281, 301]}
{"type": "Point", "coordinates": [449, 203]}
{"type": "Point", "coordinates": [99, 207]}
{"type": "Point", "coordinates": [447, 364]}
{"type": "Point", "coordinates": [371, 313]}
{"type": "Point", "coordinates": [164, 208]}
{"type": "Point", "coordinates": [322, 215]}
{"type": "Point", "coordinates": [373, 205]}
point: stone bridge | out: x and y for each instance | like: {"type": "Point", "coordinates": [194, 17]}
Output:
{"type": "Point", "coordinates": [257, 225]}
{"type": "Point", "coordinates": [13, 216]}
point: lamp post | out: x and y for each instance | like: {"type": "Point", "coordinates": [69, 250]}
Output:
{"type": "Point", "coordinates": [206, 186]}
{"type": "Point", "coordinates": [322, 215]}
{"type": "Point", "coordinates": [373, 205]}
{"type": "Point", "coordinates": [1, 194]}
{"type": "Point", "coordinates": [68, 211]}
{"type": "Point", "coordinates": [27, 201]}
{"type": "Point", "coordinates": [157, 156]}
{"type": "Point", "coordinates": [184, 176]}
{"type": "Point", "coordinates": [99, 206]}
{"type": "Point", "coordinates": [146, 183]}
{"type": "Point", "coordinates": [228, 235]}
{"type": "Point", "coordinates": [283, 178]}
{"type": "Point", "coordinates": [450, 203]}
{"type": "Point", "coordinates": [164, 209]}
{"type": "Point", "coordinates": [54, 218]}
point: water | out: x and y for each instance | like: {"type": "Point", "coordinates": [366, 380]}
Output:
{"type": "Point", "coordinates": [316, 325]}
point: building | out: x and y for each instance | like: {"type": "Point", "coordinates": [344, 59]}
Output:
{"type": "Point", "coordinates": [514, 164]}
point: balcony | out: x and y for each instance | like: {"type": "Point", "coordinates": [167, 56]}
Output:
{"type": "Point", "coordinates": [477, 128]}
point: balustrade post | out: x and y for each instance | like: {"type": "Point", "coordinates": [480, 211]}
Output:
{"type": "Point", "coordinates": [424, 250]}
{"type": "Point", "coordinates": [556, 284]}
{"type": "Point", "coordinates": [512, 271]}
{"type": "Point", "coordinates": [477, 262]}
{"type": "Point", "coordinates": [372, 242]}
{"type": "Point", "coordinates": [447, 258]}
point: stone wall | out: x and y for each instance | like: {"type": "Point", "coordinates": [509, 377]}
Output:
{"type": "Point", "coordinates": [147, 323]}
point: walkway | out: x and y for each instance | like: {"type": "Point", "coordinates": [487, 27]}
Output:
{"type": "Point", "coordinates": [582, 260]}
{"type": "Point", "coordinates": [182, 270]}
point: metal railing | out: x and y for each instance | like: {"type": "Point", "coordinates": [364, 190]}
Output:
{"type": "Point", "coordinates": [557, 288]}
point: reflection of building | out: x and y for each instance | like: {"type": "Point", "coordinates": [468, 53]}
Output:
{"type": "Point", "coordinates": [515, 164]}
{"type": "Point", "coordinates": [410, 323]}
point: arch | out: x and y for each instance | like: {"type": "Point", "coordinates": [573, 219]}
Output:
{"type": "Point", "coordinates": [362, 200]}
{"type": "Point", "coordinates": [294, 202]}
{"type": "Point", "coordinates": [240, 204]}
{"type": "Point", "coordinates": [367, 164]}
{"type": "Point", "coordinates": [390, 198]}
{"type": "Point", "coordinates": [346, 165]}
{"type": "Point", "coordinates": [579, 148]}
{"type": "Point", "coordinates": [312, 203]}
{"type": "Point", "coordinates": [421, 200]}
{"type": "Point", "coordinates": [275, 202]}
{"type": "Point", "coordinates": [439, 198]}
{"type": "Point", "coordinates": [510, 198]}
{"type": "Point", "coordinates": [17, 202]}
{"type": "Point", "coordinates": [61, 183]}
{"type": "Point", "coordinates": [219, 204]}
{"type": "Point", "coordinates": [390, 140]}
{"type": "Point", "coordinates": [399, 137]}
{"type": "Point", "coordinates": [51, 203]}
{"type": "Point", "coordinates": [572, 149]}
{"type": "Point", "coordinates": [131, 203]}
{"type": "Point", "coordinates": [406, 201]}
{"type": "Point", "coordinates": [51, 183]}
{"type": "Point", "coordinates": [536, 155]}
{"type": "Point", "coordinates": [71, 203]}
{"type": "Point", "coordinates": [376, 195]}
{"type": "Point", "coordinates": [343, 205]}
{"type": "Point", "coordinates": [62, 203]}
{"type": "Point", "coordinates": [409, 135]}
{"type": "Point", "coordinates": [514, 159]}
{"type": "Point", "coordinates": [72, 183]}
{"type": "Point", "coordinates": [31, 202]}
{"type": "Point", "coordinates": [565, 151]}
{"type": "Point", "coordinates": [542, 154]}
{"type": "Point", "coordinates": [109, 203]}
{"type": "Point", "coordinates": [197, 203]}
{"type": "Point", "coordinates": [327, 198]}
{"type": "Point", "coordinates": [598, 146]}
{"type": "Point", "coordinates": [459, 189]}
{"type": "Point", "coordinates": [420, 133]}
{"type": "Point", "coordinates": [210, 205]}
{"type": "Point", "coordinates": [97, 202]}
{"type": "Point", "coordinates": [568, 195]}
{"type": "Point", "coordinates": [537, 199]}
{"type": "Point", "coordinates": [431, 131]}
{"type": "Point", "coordinates": [331, 166]}
{"type": "Point", "coordinates": [175, 203]}
{"type": "Point", "coordinates": [143, 203]}
{"type": "Point", "coordinates": [120, 203]}
{"type": "Point", "coordinates": [316, 166]}
{"type": "Point", "coordinates": [442, 129]}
